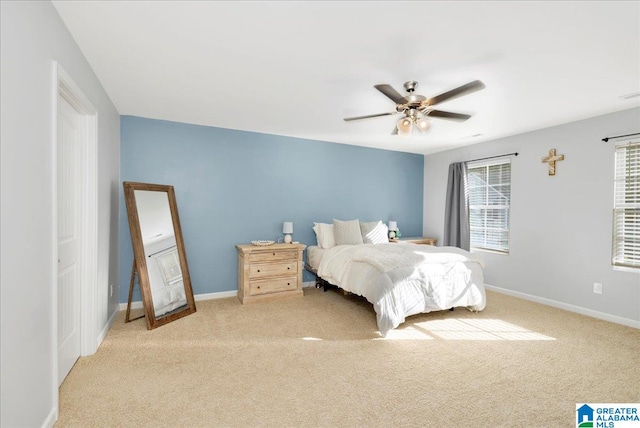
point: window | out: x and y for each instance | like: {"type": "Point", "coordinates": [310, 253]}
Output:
{"type": "Point", "coordinates": [489, 200]}
{"type": "Point", "coordinates": [626, 205]}
{"type": "Point", "coordinates": [169, 264]}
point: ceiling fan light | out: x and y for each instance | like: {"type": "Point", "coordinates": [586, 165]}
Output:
{"type": "Point", "coordinates": [423, 124]}
{"type": "Point", "coordinates": [404, 126]}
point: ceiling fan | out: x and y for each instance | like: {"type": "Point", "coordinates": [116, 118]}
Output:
{"type": "Point", "coordinates": [416, 108]}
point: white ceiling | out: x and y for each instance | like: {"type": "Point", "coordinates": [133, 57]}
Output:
{"type": "Point", "coordinates": [298, 68]}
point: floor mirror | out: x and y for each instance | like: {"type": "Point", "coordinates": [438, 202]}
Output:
{"type": "Point", "coordinates": [159, 258]}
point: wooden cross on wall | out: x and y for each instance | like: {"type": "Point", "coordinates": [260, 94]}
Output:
{"type": "Point", "coordinates": [551, 160]}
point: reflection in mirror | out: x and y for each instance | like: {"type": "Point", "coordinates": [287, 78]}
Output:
{"type": "Point", "coordinates": [161, 252]}
{"type": "Point", "coordinates": [159, 256]}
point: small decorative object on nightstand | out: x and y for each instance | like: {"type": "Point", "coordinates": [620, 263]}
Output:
{"type": "Point", "coordinates": [287, 229]}
{"type": "Point", "coordinates": [269, 272]}
{"type": "Point", "coordinates": [393, 229]}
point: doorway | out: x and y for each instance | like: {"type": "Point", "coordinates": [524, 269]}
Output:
{"type": "Point", "coordinates": [75, 214]}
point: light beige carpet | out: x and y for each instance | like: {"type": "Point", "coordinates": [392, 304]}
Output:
{"type": "Point", "coordinates": [318, 361]}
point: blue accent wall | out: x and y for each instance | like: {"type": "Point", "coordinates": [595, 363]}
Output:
{"type": "Point", "coordinates": [233, 187]}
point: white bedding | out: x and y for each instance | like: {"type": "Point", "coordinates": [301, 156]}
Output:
{"type": "Point", "coordinates": [168, 298]}
{"type": "Point", "coordinates": [406, 279]}
{"type": "Point", "coordinates": [314, 255]}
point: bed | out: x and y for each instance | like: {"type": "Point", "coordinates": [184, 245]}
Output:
{"type": "Point", "coordinates": [402, 279]}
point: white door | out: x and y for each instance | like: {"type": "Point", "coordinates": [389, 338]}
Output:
{"type": "Point", "coordinates": [69, 218]}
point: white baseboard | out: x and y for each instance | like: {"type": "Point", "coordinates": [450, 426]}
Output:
{"type": "Point", "coordinates": [205, 296]}
{"type": "Point", "coordinates": [566, 306]}
{"type": "Point", "coordinates": [134, 305]}
{"type": "Point", "coordinates": [52, 417]}
{"type": "Point", "coordinates": [106, 328]}
{"type": "Point", "coordinates": [218, 295]}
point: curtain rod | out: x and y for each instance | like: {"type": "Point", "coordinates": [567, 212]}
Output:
{"type": "Point", "coordinates": [492, 157]}
{"type": "Point", "coordinates": [166, 250]}
{"type": "Point", "coordinates": [620, 136]}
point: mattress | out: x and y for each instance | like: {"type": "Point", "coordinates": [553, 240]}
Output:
{"type": "Point", "coordinates": [314, 255]}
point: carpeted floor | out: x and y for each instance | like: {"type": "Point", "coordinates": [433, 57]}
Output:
{"type": "Point", "coordinates": [319, 361]}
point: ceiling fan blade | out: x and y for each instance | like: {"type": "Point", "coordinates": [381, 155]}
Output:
{"type": "Point", "coordinates": [470, 87]}
{"type": "Point", "coordinates": [347, 119]}
{"type": "Point", "coordinates": [447, 115]}
{"type": "Point", "coordinates": [391, 93]}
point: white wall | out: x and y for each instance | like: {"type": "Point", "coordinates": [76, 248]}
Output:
{"type": "Point", "coordinates": [561, 225]}
{"type": "Point", "coordinates": [32, 37]}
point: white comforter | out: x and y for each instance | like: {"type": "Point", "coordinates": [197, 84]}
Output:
{"type": "Point", "coordinates": [406, 279]}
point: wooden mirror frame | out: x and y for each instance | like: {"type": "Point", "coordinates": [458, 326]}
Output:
{"type": "Point", "coordinates": [139, 258]}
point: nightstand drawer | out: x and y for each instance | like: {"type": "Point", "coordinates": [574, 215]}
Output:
{"type": "Point", "coordinates": [273, 285]}
{"type": "Point", "coordinates": [262, 270]}
{"type": "Point", "coordinates": [270, 256]}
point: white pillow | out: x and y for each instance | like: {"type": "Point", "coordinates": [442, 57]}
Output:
{"type": "Point", "coordinates": [374, 232]}
{"type": "Point", "coordinates": [324, 235]}
{"type": "Point", "coordinates": [347, 232]}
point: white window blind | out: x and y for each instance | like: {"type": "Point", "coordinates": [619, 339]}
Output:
{"type": "Point", "coordinates": [489, 201]}
{"type": "Point", "coordinates": [626, 211]}
{"type": "Point", "coordinates": [169, 264]}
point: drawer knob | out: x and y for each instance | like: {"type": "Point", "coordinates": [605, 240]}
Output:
{"type": "Point", "coordinates": [288, 268]}
{"type": "Point", "coordinates": [258, 270]}
{"type": "Point", "coordinates": [288, 283]}
{"type": "Point", "coordinates": [258, 287]}
{"type": "Point", "coordinates": [274, 254]}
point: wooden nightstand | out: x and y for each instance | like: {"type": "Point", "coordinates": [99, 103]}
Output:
{"type": "Point", "coordinates": [418, 240]}
{"type": "Point", "coordinates": [269, 272]}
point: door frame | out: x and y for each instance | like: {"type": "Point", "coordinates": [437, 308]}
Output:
{"type": "Point", "coordinates": [65, 87]}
